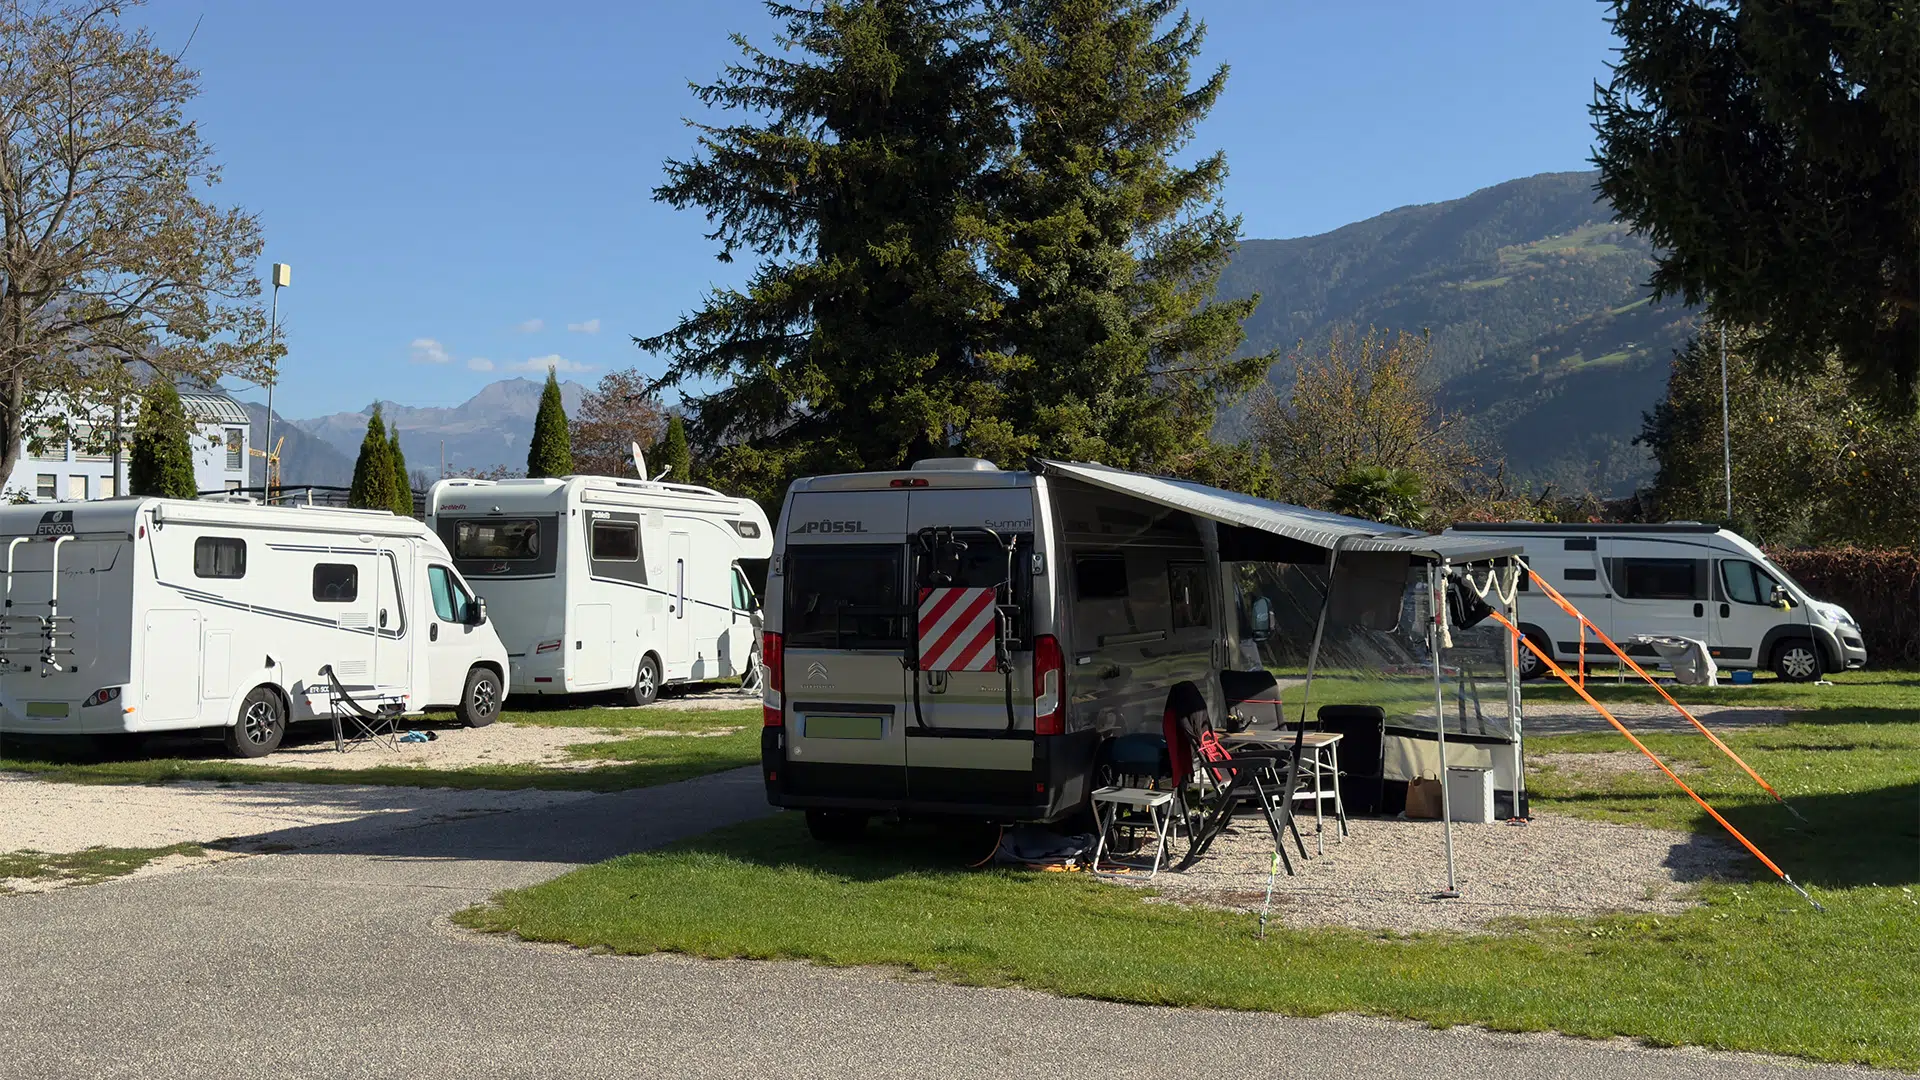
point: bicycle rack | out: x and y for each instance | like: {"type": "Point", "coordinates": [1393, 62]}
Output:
{"type": "Point", "coordinates": [52, 633]}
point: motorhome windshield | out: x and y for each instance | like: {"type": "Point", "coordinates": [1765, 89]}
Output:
{"type": "Point", "coordinates": [845, 596]}
{"type": "Point", "coordinates": [497, 538]}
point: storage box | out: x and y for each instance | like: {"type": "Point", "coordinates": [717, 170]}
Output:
{"type": "Point", "coordinates": [1470, 794]}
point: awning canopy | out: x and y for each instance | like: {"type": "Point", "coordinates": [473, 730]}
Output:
{"type": "Point", "coordinates": [1304, 535]}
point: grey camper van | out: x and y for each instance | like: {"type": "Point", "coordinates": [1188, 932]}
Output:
{"type": "Point", "coordinates": [955, 639]}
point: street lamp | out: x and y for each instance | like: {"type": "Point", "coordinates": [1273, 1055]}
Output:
{"type": "Point", "coordinates": [282, 276]}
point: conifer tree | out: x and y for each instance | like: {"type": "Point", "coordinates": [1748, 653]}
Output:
{"type": "Point", "coordinates": [160, 461]}
{"type": "Point", "coordinates": [373, 469]}
{"type": "Point", "coordinates": [402, 486]}
{"type": "Point", "coordinates": [550, 451]}
{"type": "Point", "coordinates": [675, 453]}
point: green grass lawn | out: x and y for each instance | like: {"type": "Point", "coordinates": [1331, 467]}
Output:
{"type": "Point", "coordinates": [1876, 689]}
{"type": "Point", "coordinates": [84, 867]}
{"type": "Point", "coordinates": [1753, 968]}
{"type": "Point", "coordinates": [640, 761]}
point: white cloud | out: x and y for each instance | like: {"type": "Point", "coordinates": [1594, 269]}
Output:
{"type": "Point", "coordinates": [479, 363]}
{"type": "Point", "coordinates": [428, 351]}
{"type": "Point", "coordinates": [591, 326]}
{"type": "Point", "coordinates": [552, 360]}
{"type": "Point", "coordinates": [532, 326]}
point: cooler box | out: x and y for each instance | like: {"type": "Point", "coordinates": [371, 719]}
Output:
{"type": "Point", "coordinates": [1470, 794]}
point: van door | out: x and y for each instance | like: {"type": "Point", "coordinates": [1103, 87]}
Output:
{"type": "Point", "coordinates": [345, 587]}
{"type": "Point", "coordinates": [679, 619]}
{"type": "Point", "coordinates": [169, 669]}
{"type": "Point", "coordinates": [1743, 613]}
{"type": "Point", "coordinates": [450, 648]}
{"type": "Point", "coordinates": [843, 617]}
{"type": "Point", "coordinates": [1659, 591]}
{"type": "Point", "coordinates": [592, 646]}
{"type": "Point", "coordinates": [393, 659]}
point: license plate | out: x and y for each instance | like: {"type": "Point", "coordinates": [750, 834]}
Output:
{"type": "Point", "coordinates": [844, 727]}
{"type": "Point", "coordinates": [47, 709]}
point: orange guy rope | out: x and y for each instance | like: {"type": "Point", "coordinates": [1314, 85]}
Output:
{"type": "Point", "coordinates": [1554, 595]}
{"type": "Point", "coordinates": [1651, 756]}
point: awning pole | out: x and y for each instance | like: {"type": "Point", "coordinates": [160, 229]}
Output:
{"type": "Point", "coordinates": [1511, 601]}
{"type": "Point", "coordinates": [1434, 578]}
{"type": "Point", "coordinates": [1319, 629]}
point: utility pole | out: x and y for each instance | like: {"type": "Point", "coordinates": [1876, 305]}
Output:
{"type": "Point", "coordinates": [282, 275]}
{"type": "Point", "coordinates": [443, 459]}
{"type": "Point", "coordinates": [1726, 424]}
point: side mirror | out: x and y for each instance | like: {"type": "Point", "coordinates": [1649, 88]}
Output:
{"type": "Point", "coordinates": [1780, 598]}
{"type": "Point", "coordinates": [477, 614]}
{"type": "Point", "coordinates": [1262, 618]}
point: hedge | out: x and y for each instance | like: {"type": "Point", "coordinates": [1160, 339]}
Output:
{"type": "Point", "coordinates": [1880, 588]}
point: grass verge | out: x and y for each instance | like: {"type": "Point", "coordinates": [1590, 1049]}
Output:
{"type": "Point", "coordinates": [1891, 689]}
{"type": "Point", "coordinates": [84, 867]}
{"type": "Point", "coordinates": [1752, 968]}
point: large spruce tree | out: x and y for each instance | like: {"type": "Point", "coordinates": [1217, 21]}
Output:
{"type": "Point", "coordinates": [1108, 250]}
{"type": "Point", "coordinates": [550, 450]}
{"type": "Point", "coordinates": [160, 461]}
{"type": "Point", "coordinates": [853, 344]}
{"type": "Point", "coordinates": [373, 470]}
{"type": "Point", "coordinates": [675, 455]}
{"type": "Point", "coordinates": [1770, 149]}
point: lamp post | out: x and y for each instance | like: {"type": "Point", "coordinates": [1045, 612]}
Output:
{"type": "Point", "coordinates": [1726, 425]}
{"type": "Point", "coordinates": [282, 276]}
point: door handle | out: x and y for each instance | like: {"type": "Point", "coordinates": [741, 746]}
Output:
{"type": "Point", "coordinates": [383, 618]}
{"type": "Point", "coordinates": [433, 631]}
{"type": "Point", "coordinates": [1726, 611]}
{"type": "Point", "coordinates": [1698, 611]}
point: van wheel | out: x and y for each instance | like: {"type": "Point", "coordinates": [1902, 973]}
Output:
{"type": "Point", "coordinates": [1794, 661]}
{"type": "Point", "coordinates": [1531, 666]}
{"type": "Point", "coordinates": [646, 682]}
{"type": "Point", "coordinates": [262, 723]}
{"type": "Point", "coordinates": [836, 826]}
{"type": "Point", "coordinates": [480, 701]}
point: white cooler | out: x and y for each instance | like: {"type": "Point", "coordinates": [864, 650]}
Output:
{"type": "Point", "coordinates": [1470, 793]}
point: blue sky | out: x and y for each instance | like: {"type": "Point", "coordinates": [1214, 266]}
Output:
{"type": "Point", "coordinates": [462, 189]}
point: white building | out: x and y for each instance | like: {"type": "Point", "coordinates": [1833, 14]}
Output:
{"type": "Point", "coordinates": [64, 472]}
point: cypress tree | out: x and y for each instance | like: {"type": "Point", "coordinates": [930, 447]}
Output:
{"type": "Point", "coordinates": [675, 452]}
{"type": "Point", "coordinates": [160, 461]}
{"type": "Point", "coordinates": [550, 451]}
{"type": "Point", "coordinates": [402, 485]}
{"type": "Point", "coordinates": [373, 469]}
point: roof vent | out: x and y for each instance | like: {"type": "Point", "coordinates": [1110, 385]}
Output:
{"type": "Point", "coordinates": [954, 464]}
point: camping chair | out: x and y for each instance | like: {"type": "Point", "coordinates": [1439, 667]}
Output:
{"type": "Point", "coordinates": [354, 723]}
{"type": "Point", "coordinates": [1136, 781]}
{"type": "Point", "coordinates": [1224, 780]}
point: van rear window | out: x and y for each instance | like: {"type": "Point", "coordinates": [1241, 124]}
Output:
{"type": "Point", "coordinates": [845, 596]}
{"type": "Point", "coordinates": [497, 538]}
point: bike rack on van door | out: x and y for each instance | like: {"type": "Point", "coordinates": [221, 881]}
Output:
{"type": "Point", "coordinates": [943, 544]}
{"type": "Point", "coordinates": [56, 638]}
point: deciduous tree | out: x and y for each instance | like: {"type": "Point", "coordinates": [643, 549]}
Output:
{"type": "Point", "coordinates": [617, 413]}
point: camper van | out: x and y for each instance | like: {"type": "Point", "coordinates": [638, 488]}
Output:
{"type": "Point", "coordinates": [1681, 579]}
{"type": "Point", "coordinates": [957, 639]}
{"type": "Point", "coordinates": [142, 615]}
{"type": "Point", "coordinates": [601, 583]}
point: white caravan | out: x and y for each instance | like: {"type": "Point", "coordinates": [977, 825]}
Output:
{"type": "Point", "coordinates": [602, 583]}
{"type": "Point", "coordinates": [1681, 579]}
{"type": "Point", "coordinates": [141, 615]}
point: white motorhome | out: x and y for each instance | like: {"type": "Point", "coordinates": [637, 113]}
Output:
{"type": "Point", "coordinates": [143, 615]}
{"type": "Point", "coordinates": [1680, 579]}
{"type": "Point", "coordinates": [601, 583]}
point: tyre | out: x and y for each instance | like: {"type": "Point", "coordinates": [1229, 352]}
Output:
{"type": "Point", "coordinates": [646, 682]}
{"type": "Point", "coordinates": [480, 701]}
{"type": "Point", "coordinates": [836, 826]}
{"type": "Point", "coordinates": [1531, 666]}
{"type": "Point", "coordinates": [262, 723]}
{"type": "Point", "coordinates": [1795, 661]}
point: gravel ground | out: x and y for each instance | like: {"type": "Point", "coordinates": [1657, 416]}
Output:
{"type": "Point", "coordinates": [1556, 718]}
{"type": "Point", "coordinates": [1383, 875]}
{"type": "Point", "coordinates": [456, 747]}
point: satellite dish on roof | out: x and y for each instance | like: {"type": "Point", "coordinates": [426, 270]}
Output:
{"type": "Point", "coordinates": [639, 461]}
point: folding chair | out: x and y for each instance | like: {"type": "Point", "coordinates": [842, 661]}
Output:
{"type": "Point", "coordinates": [356, 724]}
{"type": "Point", "coordinates": [1225, 780]}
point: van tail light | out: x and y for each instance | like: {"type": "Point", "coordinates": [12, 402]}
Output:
{"type": "Point", "coordinates": [546, 647]}
{"type": "Point", "coordinates": [102, 696]}
{"type": "Point", "coordinates": [773, 709]}
{"type": "Point", "coordinates": [1049, 686]}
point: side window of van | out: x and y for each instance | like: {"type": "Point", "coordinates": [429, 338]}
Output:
{"type": "Point", "coordinates": [1192, 600]}
{"type": "Point", "coordinates": [1100, 576]}
{"type": "Point", "coordinates": [616, 540]}
{"type": "Point", "coordinates": [1747, 583]}
{"type": "Point", "coordinates": [450, 601]}
{"type": "Point", "coordinates": [220, 557]}
{"type": "Point", "coordinates": [1659, 579]}
{"type": "Point", "coordinates": [336, 583]}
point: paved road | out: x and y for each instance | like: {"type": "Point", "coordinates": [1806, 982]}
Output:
{"type": "Point", "coordinates": [337, 961]}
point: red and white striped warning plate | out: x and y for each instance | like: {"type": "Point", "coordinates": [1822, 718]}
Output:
{"type": "Point", "coordinates": [956, 629]}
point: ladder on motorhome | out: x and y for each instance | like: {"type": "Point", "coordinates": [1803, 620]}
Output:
{"type": "Point", "coordinates": [51, 634]}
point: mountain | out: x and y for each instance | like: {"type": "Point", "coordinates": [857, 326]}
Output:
{"type": "Point", "coordinates": [489, 429]}
{"type": "Point", "coordinates": [1543, 334]}
{"type": "Point", "coordinates": [303, 458]}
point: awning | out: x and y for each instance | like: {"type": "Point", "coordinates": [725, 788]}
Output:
{"type": "Point", "coordinates": [1316, 528]}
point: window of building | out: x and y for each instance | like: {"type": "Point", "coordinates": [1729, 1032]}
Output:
{"type": "Point", "coordinates": [236, 448]}
{"type": "Point", "coordinates": [52, 447]}
{"type": "Point", "coordinates": [1192, 600]}
{"type": "Point", "coordinates": [503, 538]}
{"type": "Point", "coordinates": [336, 583]}
{"type": "Point", "coordinates": [1659, 579]}
{"type": "Point", "coordinates": [616, 540]}
{"type": "Point", "coordinates": [450, 601]}
{"type": "Point", "coordinates": [233, 486]}
{"type": "Point", "coordinates": [220, 557]}
{"type": "Point", "coordinates": [44, 486]}
{"type": "Point", "coordinates": [77, 488]}
{"type": "Point", "coordinates": [107, 487]}
{"type": "Point", "coordinates": [92, 444]}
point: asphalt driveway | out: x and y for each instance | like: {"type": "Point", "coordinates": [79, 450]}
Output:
{"type": "Point", "coordinates": [336, 960]}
